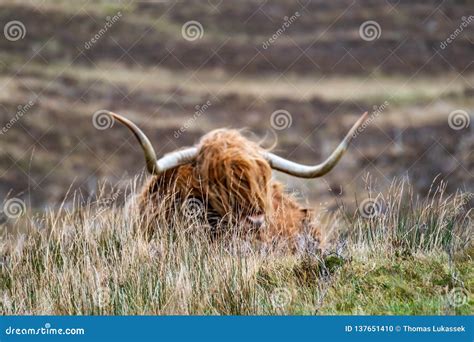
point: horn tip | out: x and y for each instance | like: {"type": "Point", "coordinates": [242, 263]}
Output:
{"type": "Point", "coordinates": [361, 120]}
{"type": "Point", "coordinates": [364, 116]}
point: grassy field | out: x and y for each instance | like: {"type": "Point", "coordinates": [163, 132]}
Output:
{"type": "Point", "coordinates": [397, 255]}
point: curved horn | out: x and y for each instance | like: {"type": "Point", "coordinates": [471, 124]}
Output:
{"type": "Point", "coordinates": [154, 166]}
{"type": "Point", "coordinates": [307, 171]}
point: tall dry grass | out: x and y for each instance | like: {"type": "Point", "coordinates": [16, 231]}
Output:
{"type": "Point", "coordinates": [93, 258]}
{"type": "Point", "coordinates": [399, 221]}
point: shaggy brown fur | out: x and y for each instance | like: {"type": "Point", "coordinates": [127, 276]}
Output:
{"type": "Point", "coordinates": [232, 181]}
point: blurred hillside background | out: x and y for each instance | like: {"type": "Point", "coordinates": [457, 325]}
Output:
{"type": "Point", "coordinates": [299, 72]}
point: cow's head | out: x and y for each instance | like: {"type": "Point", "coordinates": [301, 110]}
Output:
{"type": "Point", "coordinates": [233, 173]}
